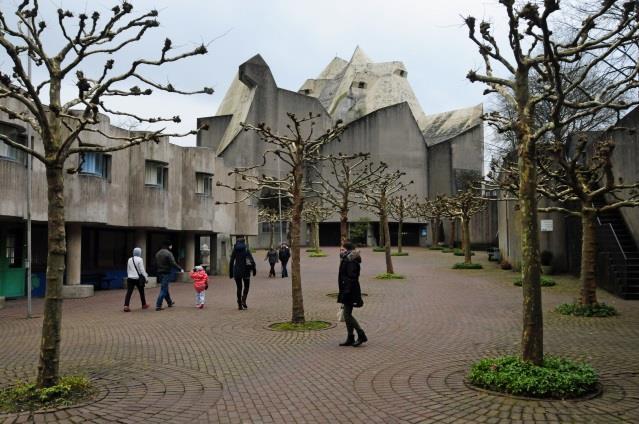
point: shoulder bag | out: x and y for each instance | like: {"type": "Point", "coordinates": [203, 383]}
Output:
{"type": "Point", "coordinates": [141, 278]}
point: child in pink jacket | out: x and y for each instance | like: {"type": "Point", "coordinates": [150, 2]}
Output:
{"type": "Point", "coordinates": [200, 284]}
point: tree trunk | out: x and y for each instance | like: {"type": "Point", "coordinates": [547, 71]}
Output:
{"type": "Point", "coordinates": [435, 223]}
{"type": "Point", "coordinates": [48, 367]}
{"type": "Point", "coordinates": [343, 224]}
{"type": "Point", "coordinates": [466, 240]}
{"type": "Point", "coordinates": [296, 276]}
{"type": "Point", "coordinates": [400, 224]}
{"type": "Point", "coordinates": [382, 241]}
{"type": "Point", "coordinates": [532, 346]}
{"type": "Point", "coordinates": [272, 235]}
{"type": "Point", "coordinates": [316, 236]}
{"type": "Point", "coordinates": [387, 242]}
{"type": "Point", "coordinates": [588, 277]}
{"type": "Point", "coordinates": [452, 234]}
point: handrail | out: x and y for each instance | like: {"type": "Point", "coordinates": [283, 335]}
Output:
{"type": "Point", "coordinates": [617, 240]}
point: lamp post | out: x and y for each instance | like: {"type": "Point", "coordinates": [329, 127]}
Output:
{"type": "Point", "coordinates": [279, 199]}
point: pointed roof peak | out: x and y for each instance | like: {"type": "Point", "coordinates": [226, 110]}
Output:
{"type": "Point", "coordinates": [359, 57]}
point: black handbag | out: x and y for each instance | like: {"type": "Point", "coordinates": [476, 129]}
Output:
{"type": "Point", "coordinates": [141, 278]}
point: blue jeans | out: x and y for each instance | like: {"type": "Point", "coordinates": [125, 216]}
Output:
{"type": "Point", "coordinates": [164, 290]}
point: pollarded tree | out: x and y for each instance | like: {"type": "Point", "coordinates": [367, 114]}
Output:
{"type": "Point", "coordinates": [400, 208]}
{"type": "Point", "coordinates": [538, 47]}
{"type": "Point", "coordinates": [314, 213]}
{"type": "Point", "coordinates": [271, 217]}
{"type": "Point", "coordinates": [61, 120]}
{"type": "Point", "coordinates": [375, 197]}
{"type": "Point", "coordinates": [433, 210]}
{"type": "Point", "coordinates": [298, 150]}
{"type": "Point", "coordinates": [339, 179]}
{"type": "Point", "coordinates": [463, 206]}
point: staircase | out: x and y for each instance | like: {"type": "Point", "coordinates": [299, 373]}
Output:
{"type": "Point", "coordinates": [618, 257]}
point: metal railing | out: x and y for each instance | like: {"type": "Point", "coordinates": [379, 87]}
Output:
{"type": "Point", "coordinates": [612, 261]}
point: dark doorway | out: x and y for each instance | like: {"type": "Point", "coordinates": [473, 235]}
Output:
{"type": "Point", "coordinates": [329, 234]}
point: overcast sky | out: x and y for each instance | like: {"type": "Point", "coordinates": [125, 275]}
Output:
{"type": "Point", "coordinates": [298, 38]}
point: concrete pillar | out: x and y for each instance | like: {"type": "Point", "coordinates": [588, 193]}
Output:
{"type": "Point", "coordinates": [370, 235]}
{"type": "Point", "coordinates": [140, 241]}
{"type": "Point", "coordinates": [73, 289]}
{"type": "Point", "coordinates": [189, 246]}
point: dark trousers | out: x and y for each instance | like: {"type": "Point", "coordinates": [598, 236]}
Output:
{"type": "Point", "coordinates": [271, 273]}
{"type": "Point", "coordinates": [164, 290]}
{"type": "Point", "coordinates": [131, 284]}
{"type": "Point", "coordinates": [242, 293]}
{"type": "Point", "coordinates": [350, 321]}
{"type": "Point", "coordinates": [284, 270]}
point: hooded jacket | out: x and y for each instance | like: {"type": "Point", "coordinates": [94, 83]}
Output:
{"type": "Point", "coordinates": [238, 267]}
{"type": "Point", "coordinates": [350, 292]}
{"type": "Point", "coordinates": [200, 280]}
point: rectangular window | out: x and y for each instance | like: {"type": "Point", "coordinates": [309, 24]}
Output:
{"type": "Point", "coordinates": [11, 249]}
{"type": "Point", "coordinates": [266, 227]}
{"type": "Point", "coordinates": [10, 152]}
{"type": "Point", "coordinates": [156, 174]}
{"type": "Point", "coordinates": [203, 184]}
{"type": "Point", "coordinates": [95, 163]}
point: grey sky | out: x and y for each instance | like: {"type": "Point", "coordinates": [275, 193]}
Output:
{"type": "Point", "coordinates": [298, 38]}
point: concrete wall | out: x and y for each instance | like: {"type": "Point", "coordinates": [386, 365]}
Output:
{"type": "Point", "coordinates": [440, 169]}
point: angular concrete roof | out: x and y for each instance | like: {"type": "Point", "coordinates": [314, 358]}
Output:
{"type": "Point", "coordinates": [350, 90]}
{"type": "Point", "coordinates": [444, 126]}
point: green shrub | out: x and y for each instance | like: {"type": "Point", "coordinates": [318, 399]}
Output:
{"type": "Point", "coordinates": [317, 254]}
{"type": "Point", "coordinates": [447, 250]}
{"type": "Point", "coordinates": [311, 250]}
{"type": "Point", "coordinates": [436, 248]}
{"type": "Point", "coordinates": [462, 265]}
{"type": "Point", "coordinates": [556, 378]}
{"type": "Point", "coordinates": [545, 281]}
{"type": "Point", "coordinates": [305, 326]}
{"type": "Point", "coordinates": [460, 252]}
{"type": "Point", "coordinates": [379, 249]}
{"type": "Point", "coordinates": [596, 310]}
{"type": "Point", "coordinates": [25, 396]}
{"type": "Point", "coordinates": [387, 276]}
{"type": "Point", "coordinates": [399, 254]}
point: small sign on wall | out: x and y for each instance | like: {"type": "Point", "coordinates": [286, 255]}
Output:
{"type": "Point", "coordinates": [546, 225]}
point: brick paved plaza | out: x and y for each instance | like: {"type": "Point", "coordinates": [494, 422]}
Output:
{"type": "Point", "coordinates": [223, 365]}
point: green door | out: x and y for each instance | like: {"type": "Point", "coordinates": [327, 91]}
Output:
{"type": "Point", "coordinates": [11, 277]}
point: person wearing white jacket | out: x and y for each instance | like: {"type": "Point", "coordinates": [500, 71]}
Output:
{"type": "Point", "coordinates": [136, 277]}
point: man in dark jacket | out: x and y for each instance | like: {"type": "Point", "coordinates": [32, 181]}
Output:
{"type": "Point", "coordinates": [285, 255]}
{"type": "Point", "coordinates": [271, 256]}
{"type": "Point", "coordinates": [166, 267]}
{"type": "Point", "coordinates": [350, 294]}
{"type": "Point", "coordinates": [240, 268]}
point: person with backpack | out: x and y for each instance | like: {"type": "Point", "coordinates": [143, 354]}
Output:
{"type": "Point", "coordinates": [271, 256]}
{"type": "Point", "coordinates": [241, 266]}
{"type": "Point", "coordinates": [136, 278]}
{"type": "Point", "coordinates": [285, 255]}
{"type": "Point", "coordinates": [350, 293]}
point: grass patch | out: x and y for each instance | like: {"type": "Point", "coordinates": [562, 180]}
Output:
{"type": "Point", "coordinates": [447, 250]}
{"type": "Point", "coordinates": [459, 252]}
{"type": "Point", "coordinates": [379, 249]}
{"type": "Point", "coordinates": [436, 248]}
{"type": "Point", "coordinates": [305, 326]}
{"type": "Point", "coordinates": [462, 265]}
{"type": "Point", "coordinates": [545, 282]}
{"type": "Point", "coordinates": [313, 250]}
{"type": "Point", "coordinates": [388, 276]}
{"type": "Point", "coordinates": [596, 310]}
{"type": "Point", "coordinates": [317, 254]}
{"type": "Point", "coordinates": [556, 378]}
{"type": "Point", "coordinates": [399, 254]}
{"type": "Point", "coordinates": [25, 396]}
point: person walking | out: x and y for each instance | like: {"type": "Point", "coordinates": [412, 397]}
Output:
{"type": "Point", "coordinates": [240, 268]}
{"type": "Point", "coordinates": [166, 273]}
{"type": "Point", "coordinates": [200, 284]}
{"type": "Point", "coordinates": [271, 256]}
{"type": "Point", "coordinates": [350, 293]}
{"type": "Point", "coordinates": [136, 278]}
{"type": "Point", "coordinates": [285, 255]}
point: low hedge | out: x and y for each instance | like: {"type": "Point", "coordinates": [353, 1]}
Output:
{"type": "Point", "coordinates": [388, 276]}
{"type": "Point", "coordinates": [305, 326]}
{"type": "Point", "coordinates": [545, 281]}
{"type": "Point", "coordinates": [317, 254]}
{"type": "Point", "coordinates": [379, 249]}
{"type": "Point", "coordinates": [25, 396]}
{"type": "Point", "coordinates": [460, 252]}
{"type": "Point", "coordinates": [556, 378]}
{"type": "Point", "coordinates": [399, 254]}
{"type": "Point", "coordinates": [462, 265]}
{"type": "Point", "coordinates": [597, 310]}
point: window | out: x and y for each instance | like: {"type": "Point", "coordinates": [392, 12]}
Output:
{"type": "Point", "coordinates": [359, 84]}
{"type": "Point", "coordinates": [11, 249]}
{"type": "Point", "coordinates": [10, 152]}
{"type": "Point", "coordinates": [156, 174]}
{"type": "Point", "coordinates": [203, 183]}
{"type": "Point", "coordinates": [402, 73]}
{"type": "Point", "coordinates": [94, 163]}
{"type": "Point", "coordinates": [306, 91]}
{"type": "Point", "coordinates": [266, 227]}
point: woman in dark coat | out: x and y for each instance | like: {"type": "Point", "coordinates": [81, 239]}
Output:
{"type": "Point", "coordinates": [271, 256]}
{"type": "Point", "coordinates": [350, 294]}
{"type": "Point", "coordinates": [240, 268]}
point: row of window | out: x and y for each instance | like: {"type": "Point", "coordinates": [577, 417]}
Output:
{"type": "Point", "coordinates": [266, 227]}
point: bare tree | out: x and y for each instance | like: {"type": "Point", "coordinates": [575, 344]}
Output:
{"type": "Point", "coordinates": [400, 208]}
{"type": "Point", "coordinates": [537, 48]}
{"type": "Point", "coordinates": [340, 178]}
{"type": "Point", "coordinates": [433, 210]}
{"type": "Point", "coordinates": [271, 217]}
{"type": "Point", "coordinates": [61, 123]}
{"type": "Point", "coordinates": [299, 150]}
{"type": "Point", "coordinates": [375, 197]}
{"type": "Point", "coordinates": [463, 206]}
{"type": "Point", "coordinates": [314, 213]}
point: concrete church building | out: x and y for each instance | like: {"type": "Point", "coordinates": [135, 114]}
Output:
{"type": "Point", "coordinates": [144, 195]}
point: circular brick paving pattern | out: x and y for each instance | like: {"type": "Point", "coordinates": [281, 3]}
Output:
{"type": "Point", "coordinates": [184, 365]}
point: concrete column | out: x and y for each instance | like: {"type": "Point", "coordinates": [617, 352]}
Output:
{"type": "Point", "coordinates": [189, 246]}
{"type": "Point", "coordinates": [73, 289]}
{"type": "Point", "coordinates": [370, 235]}
{"type": "Point", "coordinates": [140, 241]}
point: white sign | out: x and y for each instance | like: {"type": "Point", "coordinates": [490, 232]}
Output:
{"type": "Point", "coordinates": [546, 225]}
